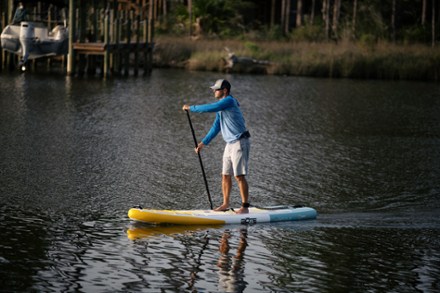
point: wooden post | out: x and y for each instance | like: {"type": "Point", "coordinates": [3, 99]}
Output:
{"type": "Point", "coordinates": [95, 21]}
{"type": "Point", "coordinates": [127, 53]}
{"type": "Point", "coordinates": [150, 36]}
{"type": "Point", "coordinates": [433, 24]}
{"type": "Point", "coordinates": [82, 30]}
{"type": "Point", "coordinates": [38, 16]}
{"type": "Point", "coordinates": [72, 25]}
{"type": "Point", "coordinates": [145, 40]}
{"type": "Point", "coordinates": [111, 37]}
{"type": "Point", "coordinates": [2, 22]}
{"type": "Point", "coordinates": [117, 49]}
{"type": "Point", "coordinates": [106, 43]}
{"type": "Point", "coordinates": [10, 10]}
{"type": "Point", "coordinates": [136, 49]}
{"type": "Point", "coordinates": [49, 18]}
{"type": "Point", "coordinates": [8, 56]}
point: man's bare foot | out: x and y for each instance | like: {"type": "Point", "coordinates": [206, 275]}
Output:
{"type": "Point", "coordinates": [242, 210]}
{"type": "Point", "coordinates": [222, 208]}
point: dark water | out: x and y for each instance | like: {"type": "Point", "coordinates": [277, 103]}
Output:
{"type": "Point", "coordinates": [76, 154]}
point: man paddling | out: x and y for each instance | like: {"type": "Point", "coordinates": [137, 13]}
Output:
{"type": "Point", "coordinates": [229, 120]}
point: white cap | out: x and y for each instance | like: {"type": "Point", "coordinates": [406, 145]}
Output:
{"type": "Point", "coordinates": [221, 84]}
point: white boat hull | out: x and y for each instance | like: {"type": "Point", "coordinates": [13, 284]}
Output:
{"type": "Point", "coordinates": [32, 40]}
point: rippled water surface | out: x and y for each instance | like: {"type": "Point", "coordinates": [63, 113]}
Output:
{"type": "Point", "coordinates": [76, 154]}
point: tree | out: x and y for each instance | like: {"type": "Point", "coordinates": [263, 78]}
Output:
{"type": "Point", "coordinates": [353, 21]}
{"type": "Point", "coordinates": [433, 24]}
{"type": "Point", "coordinates": [312, 14]}
{"type": "Point", "coordinates": [336, 12]}
{"type": "Point", "coordinates": [272, 13]}
{"type": "Point", "coordinates": [393, 20]}
{"type": "Point", "coordinates": [287, 18]}
{"type": "Point", "coordinates": [326, 17]}
{"type": "Point", "coordinates": [285, 15]}
{"type": "Point", "coordinates": [423, 12]}
{"type": "Point", "coordinates": [299, 5]}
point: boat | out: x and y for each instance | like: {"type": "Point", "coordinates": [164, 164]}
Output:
{"type": "Point", "coordinates": [33, 40]}
{"type": "Point", "coordinates": [211, 217]}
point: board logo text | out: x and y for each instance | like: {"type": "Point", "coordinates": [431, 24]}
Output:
{"type": "Point", "coordinates": [249, 221]}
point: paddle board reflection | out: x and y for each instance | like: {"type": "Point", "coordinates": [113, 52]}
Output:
{"type": "Point", "coordinates": [145, 231]}
{"type": "Point", "coordinates": [231, 248]}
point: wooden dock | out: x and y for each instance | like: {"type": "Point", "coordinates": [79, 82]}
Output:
{"type": "Point", "coordinates": [115, 39]}
{"type": "Point", "coordinates": [107, 37]}
{"type": "Point", "coordinates": [118, 61]}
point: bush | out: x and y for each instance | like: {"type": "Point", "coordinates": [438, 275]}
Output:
{"type": "Point", "coordinates": [308, 33]}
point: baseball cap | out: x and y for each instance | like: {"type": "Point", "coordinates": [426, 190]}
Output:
{"type": "Point", "coordinates": [221, 84]}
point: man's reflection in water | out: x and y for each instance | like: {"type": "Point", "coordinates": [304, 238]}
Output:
{"type": "Point", "coordinates": [231, 266]}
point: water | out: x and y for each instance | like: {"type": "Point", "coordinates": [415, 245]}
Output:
{"type": "Point", "coordinates": [76, 154]}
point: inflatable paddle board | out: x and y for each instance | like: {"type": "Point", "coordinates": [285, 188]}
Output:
{"type": "Point", "coordinates": [210, 217]}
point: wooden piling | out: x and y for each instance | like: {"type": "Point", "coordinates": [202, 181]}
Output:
{"type": "Point", "coordinates": [118, 40]}
{"type": "Point", "coordinates": [106, 66]}
{"type": "Point", "coordinates": [72, 25]}
{"type": "Point", "coordinates": [128, 43]}
{"type": "Point", "coordinates": [136, 49]}
{"type": "Point", "coordinates": [117, 55]}
{"type": "Point", "coordinates": [2, 22]}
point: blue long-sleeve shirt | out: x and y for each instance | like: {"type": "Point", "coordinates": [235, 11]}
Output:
{"type": "Point", "coordinates": [228, 119]}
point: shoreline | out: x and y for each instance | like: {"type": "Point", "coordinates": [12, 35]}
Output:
{"type": "Point", "coordinates": [332, 60]}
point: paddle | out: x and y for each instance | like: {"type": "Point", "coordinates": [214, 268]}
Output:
{"type": "Point", "coordinates": [200, 159]}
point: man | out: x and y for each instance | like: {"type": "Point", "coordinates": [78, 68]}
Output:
{"type": "Point", "coordinates": [229, 120]}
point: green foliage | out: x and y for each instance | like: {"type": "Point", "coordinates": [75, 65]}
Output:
{"type": "Point", "coordinates": [416, 34]}
{"type": "Point", "coordinates": [251, 46]}
{"type": "Point", "coordinates": [222, 17]}
{"type": "Point", "coordinates": [370, 21]}
{"type": "Point", "coordinates": [349, 60]}
{"type": "Point", "coordinates": [367, 40]}
{"type": "Point", "coordinates": [309, 33]}
{"type": "Point", "coordinates": [272, 33]}
{"type": "Point", "coordinates": [250, 19]}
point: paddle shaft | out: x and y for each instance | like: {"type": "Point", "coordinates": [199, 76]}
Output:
{"type": "Point", "coordinates": [200, 159]}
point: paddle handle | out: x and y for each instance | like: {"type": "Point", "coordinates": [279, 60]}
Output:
{"type": "Point", "coordinates": [200, 159]}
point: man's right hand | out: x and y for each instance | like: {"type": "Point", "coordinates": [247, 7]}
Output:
{"type": "Point", "coordinates": [185, 107]}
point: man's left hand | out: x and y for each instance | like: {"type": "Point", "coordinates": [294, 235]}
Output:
{"type": "Point", "coordinates": [199, 147]}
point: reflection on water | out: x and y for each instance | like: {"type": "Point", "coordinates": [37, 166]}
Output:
{"type": "Point", "coordinates": [232, 268]}
{"type": "Point", "coordinates": [76, 154]}
{"type": "Point", "coordinates": [140, 230]}
{"type": "Point", "coordinates": [230, 264]}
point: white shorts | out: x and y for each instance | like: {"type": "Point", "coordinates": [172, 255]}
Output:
{"type": "Point", "coordinates": [236, 157]}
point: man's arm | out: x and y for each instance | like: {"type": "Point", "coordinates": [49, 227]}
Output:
{"type": "Point", "coordinates": [213, 107]}
{"type": "Point", "coordinates": [215, 129]}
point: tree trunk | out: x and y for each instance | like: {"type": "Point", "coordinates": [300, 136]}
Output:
{"type": "Point", "coordinates": [287, 22]}
{"type": "Point", "coordinates": [190, 16]}
{"type": "Point", "coordinates": [312, 15]}
{"type": "Point", "coordinates": [283, 14]}
{"type": "Point", "coordinates": [393, 21]}
{"type": "Point", "coordinates": [326, 15]}
{"type": "Point", "coordinates": [353, 24]}
{"type": "Point", "coordinates": [272, 13]}
{"type": "Point", "coordinates": [165, 8]}
{"type": "Point", "coordinates": [423, 12]}
{"type": "Point", "coordinates": [433, 23]}
{"type": "Point", "coordinates": [336, 10]}
{"type": "Point", "coordinates": [299, 13]}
